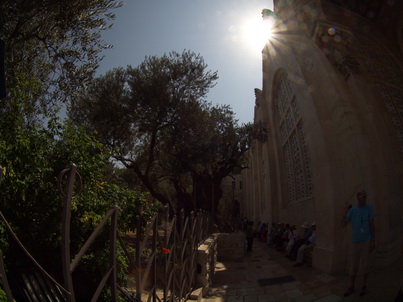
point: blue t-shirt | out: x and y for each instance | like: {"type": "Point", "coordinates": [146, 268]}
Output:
{"type": "Point", "coordinates": [360, 218]}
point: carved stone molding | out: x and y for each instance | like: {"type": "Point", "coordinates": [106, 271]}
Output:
{"type": "Point", "coordinates": [336, 43]}
{"type": "Point", "coordinates": [258, 96]}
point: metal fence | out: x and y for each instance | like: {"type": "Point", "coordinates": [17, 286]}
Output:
{"type": "Point", "coordinates": [163, 265]}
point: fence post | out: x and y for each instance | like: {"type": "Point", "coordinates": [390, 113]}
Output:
{"type": "Point", "coordinates": [174, 257]}
{"type": "Point", "coordinates": [3, 276]}
{"type": "Point", "coordinates": [138, 254]}
{"type": "Point", "coordinates": [166, 276]}
{"type": "Point", "coordinates": [68, 196]}
{"type": "Point", "coordinates": [166, 225]}
{"type": "Point", "coordinates": [113, 236]}
{"type": "Point", "coordinates": [154, 265]}
{"type": "Point", "coordinates": [3, 279]}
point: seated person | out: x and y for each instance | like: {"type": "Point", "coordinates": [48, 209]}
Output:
{"type": "Point", "coordinates": [261, 230]}
{"type": "Point", "coordinates": [272, 234]}
{"type": "Point", "coordinates": [308, 244]}
{"type": "Point", "coordinates": [283, 238]}
{"type": "Point", "coordinates": [280, 231]}
{"type": "Point", "coordinates": [307, 233]}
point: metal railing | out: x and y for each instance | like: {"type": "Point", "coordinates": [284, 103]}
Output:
{"type": "Point", "coordinates": [173, 274]}
{"type": "Point", "coordinates": [164, 262]}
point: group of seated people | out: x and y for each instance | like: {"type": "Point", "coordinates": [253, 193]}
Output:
{"type": "Point", "coordinates": [284, 237]}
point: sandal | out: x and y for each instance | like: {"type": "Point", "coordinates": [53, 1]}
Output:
{"type": "Point", "coordinates": [349, 291]}
{"type": "Point", "coordinates": [363, 291]}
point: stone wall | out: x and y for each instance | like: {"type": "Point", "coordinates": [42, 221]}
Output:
{"type": "Point", "coordinates": [220, 246]}
{"type": "Point", "coordinates": [206, 259]}
{"type": "Point", "coordinates": [330, 103]}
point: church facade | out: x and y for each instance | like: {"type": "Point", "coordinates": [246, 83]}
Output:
{"type": "Point", "coordinates": [332, 102]}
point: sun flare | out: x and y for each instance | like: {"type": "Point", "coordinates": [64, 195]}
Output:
{"type": "Point", "coordinates": [256, 33]}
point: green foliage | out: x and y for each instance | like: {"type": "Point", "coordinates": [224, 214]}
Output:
{"type": "Point", "coordinates": [159, 124]}
{"type": "Point", "coordinates": [3, 296]}
{"type": "Point", "coordinates": [52, 51]}
{"type": "Point", "coordinates": [27, 177]}
{"type": "Point", "coordinates": [32, 158]}
{"type": "Point", "coordinates": [53, 47]}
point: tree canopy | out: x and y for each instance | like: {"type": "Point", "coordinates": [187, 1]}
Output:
{"type": "Point", "coordinates": [52, 49]}
{"type": "Point", "coordinates": [153, 119]}
{"type": "Point", "coordinates": [157, 120]}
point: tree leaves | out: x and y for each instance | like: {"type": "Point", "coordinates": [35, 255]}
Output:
{"type": "Point", "coordinates": [157, 119]}
{"type": "Point", "coordinates": [52, 51]}
{"type": "Point", "coordinates": [57, 43]}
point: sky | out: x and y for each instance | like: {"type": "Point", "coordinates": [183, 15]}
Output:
{"type": "Point", "coordinates": [229, 35]}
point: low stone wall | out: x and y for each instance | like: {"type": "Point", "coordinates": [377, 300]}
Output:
{"type": "Point", "coordinates": [206, 260]}
{"type": "Point", "coordinates": [220, 246]}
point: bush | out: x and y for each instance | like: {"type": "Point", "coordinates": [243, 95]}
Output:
{"type": "Point", "coordinates": [32, 158]}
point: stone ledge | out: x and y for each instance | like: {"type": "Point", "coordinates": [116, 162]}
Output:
{"type": "Point", "coordinates": [206, 260]}
{"type": "Point", "coordinates": [197, 295]}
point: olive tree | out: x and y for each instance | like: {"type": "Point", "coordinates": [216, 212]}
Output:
{"type": "Point", "coordinates": [52, 49]}
{"type": "Point", "coordinates": [158, 122]}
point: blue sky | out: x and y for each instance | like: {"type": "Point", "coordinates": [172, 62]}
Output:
{"type": "Point", "coordinates": [221, 31]}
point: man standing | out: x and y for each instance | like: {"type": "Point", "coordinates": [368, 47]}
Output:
{"type": "Point", "coordinates": [362, 218]}
{"type": "Point", "coordinates": [250, 234]}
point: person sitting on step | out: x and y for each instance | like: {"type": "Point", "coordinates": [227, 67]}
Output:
{"type": "Point", "coordinates": [307, 232]}
{"type": "Point", "coordinates": [308, 244]}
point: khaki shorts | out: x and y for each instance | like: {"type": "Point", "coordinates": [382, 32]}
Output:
{"type": "Point", "coordinates": [360, 258]}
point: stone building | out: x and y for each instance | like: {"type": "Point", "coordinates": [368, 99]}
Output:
{"type": "Point", "coordinates": [332, 101]}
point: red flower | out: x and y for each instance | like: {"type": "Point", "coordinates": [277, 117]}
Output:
{"type": "Point", "coordinates": [166, 251]}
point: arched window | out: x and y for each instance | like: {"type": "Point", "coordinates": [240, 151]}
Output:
{"type": "Point", "coordinates": [297, 160]}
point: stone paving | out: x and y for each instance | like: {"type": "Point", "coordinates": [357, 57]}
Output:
{"type": "Point", "coordinates": [244, 281]}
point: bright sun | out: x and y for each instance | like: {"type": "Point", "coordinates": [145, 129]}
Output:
{"type": "Point", "coordinates": [256, 32]}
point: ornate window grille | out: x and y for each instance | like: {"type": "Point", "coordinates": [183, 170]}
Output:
{"type": "Point", "coordinates": [388, 78]}
{"type": "Point", "coordinates": [291, 128]}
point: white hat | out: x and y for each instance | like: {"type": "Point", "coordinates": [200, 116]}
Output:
{"type": "Point", "coordinates": [305, 225]}
{"type": "Point", "coordinates": [313, 223]}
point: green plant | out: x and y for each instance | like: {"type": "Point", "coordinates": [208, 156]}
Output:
{"type": "Point", "coordinates": [3, 296]}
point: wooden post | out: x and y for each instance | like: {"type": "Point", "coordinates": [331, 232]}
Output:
{"type": "Point", "coordinates": [113, 236]}
{"type": "Point", "coordinates": [138, 255]}
{"type": "Point", "coordinates": [154, 265]}
{"type": "Point", "coordinates": [166, 275]}
{"type": "Point", "coordinates": [3, 276]}
{"type": "Point", "coordinates": [3, 279]}
{"type": "Point", "coordinates": [66, 258]}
